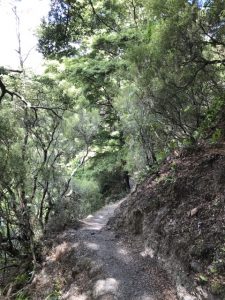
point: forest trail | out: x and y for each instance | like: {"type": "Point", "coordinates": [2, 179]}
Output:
{"type": "Point", "coordinates": [118, 271]}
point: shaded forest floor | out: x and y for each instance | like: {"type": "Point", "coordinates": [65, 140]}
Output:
{"type": "Point", "coordinates": [95, 263]}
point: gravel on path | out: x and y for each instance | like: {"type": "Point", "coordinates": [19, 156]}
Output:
{"type": "Point", "coordinates": [120, 272]}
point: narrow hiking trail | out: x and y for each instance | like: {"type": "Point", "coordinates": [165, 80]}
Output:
{"type": "Point", "coordinates": [118, 271]}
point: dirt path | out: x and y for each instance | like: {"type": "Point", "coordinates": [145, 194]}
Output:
{"type": "Point", "coordinates": [118, 271]}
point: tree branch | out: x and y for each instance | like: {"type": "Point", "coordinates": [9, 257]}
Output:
{"type": "Point", "coordinates": [99, 18]}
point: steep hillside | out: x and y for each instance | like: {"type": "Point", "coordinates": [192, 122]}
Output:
{"type": "Point", "coordinates": [178, 217]}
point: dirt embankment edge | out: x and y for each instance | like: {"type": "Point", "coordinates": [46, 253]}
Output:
{"type": "Point", "coordinates": [177, 216]}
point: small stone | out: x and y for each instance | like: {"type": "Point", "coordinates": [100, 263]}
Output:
{"type": "Point", "coordinates": [193, 212]}
{"type": "Point", "coordinates": [195, 266]}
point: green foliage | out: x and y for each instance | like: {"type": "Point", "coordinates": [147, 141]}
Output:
{"type": "Point", "coordinates": [216, 136]}
{"type": "Point", "coordinates": [202, 279]}
{"type": "Point", "coordinates": [21, 296]}
{"type": "Point", "coordinates": [21, 279]}
{"type": "Point", "coordinates": [33, 152]}
{"type": "Point", "coordinates": [90, 197]}
{"type": "Point", "coordinates": [152, 71]}
{"type": "Point", "coordinates": [55, 295]}
{"type": "Point", "coordinates": [217, 288]}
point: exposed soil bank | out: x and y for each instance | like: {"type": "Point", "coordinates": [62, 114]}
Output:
{"type": "Point", "coordinates": [178, 217]}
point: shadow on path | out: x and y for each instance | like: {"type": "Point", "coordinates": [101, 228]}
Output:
{"type": "Point", "coordinates": [125, 274]}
